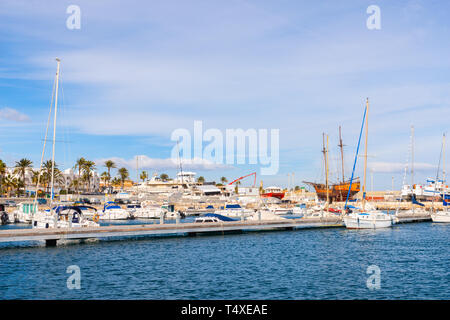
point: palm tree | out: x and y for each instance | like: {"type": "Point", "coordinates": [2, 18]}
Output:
{"type": "Point", "coordinates": [164, 177]}
{"type": "Point", "coordinates": [105, 177]}
{"type": "Point", "coordinates": [115, 181]}
{"type": "Point", "coordinates": [21, 168]}
{"type": "Point", "coordinates": [2, 175]}
{"type": "Point", "coordinates": [223, 180]}
{"type": "Point", "coordinates": [123, 174]}
{"type": "Point", "coordinates": [236, 188]}
{"type": "Point", "coordinates": [109, 164]}
{"type": "Point", "coordinates": [88, 167]}
{"type": "Point", "coordinates": [79, 166]}
{"type": "Point", "coordinates": [144, 176]}
{"type": "Point", "coordinates": [47, 174]}
{"type": "Point", "coordinates": [201, 179]}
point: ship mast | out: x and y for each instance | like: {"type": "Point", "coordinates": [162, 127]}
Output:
{"type": "Point", "coordinates": [365, 157]}
{"type": "Point", "coordinates": [325, 158]}
{"type": "Point", "coordinates": [341, 146]}
{"type": "Point", "coordinates": [52, 183]}
{"type": "Point", "coordinates": [412, 159]}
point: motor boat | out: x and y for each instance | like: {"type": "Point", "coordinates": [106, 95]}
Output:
{"type": "Point", "coordinates": [4, 217]}
{"type": "Point", "coordinates": [63, 217]}
{"type": "Point", "coordinates": [146, 210]}
{"type": "Point", "coordinates": [369, 219]}
{"type": "Point", "coordinates": [234, 211]}
{"type": "Point", "coordinates": [112, 211]}
{"type": "Point", "coordinates": [213, 217]}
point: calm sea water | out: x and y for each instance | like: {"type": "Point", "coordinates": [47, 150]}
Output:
{"type": "Point", "coordinates": [305, 264]}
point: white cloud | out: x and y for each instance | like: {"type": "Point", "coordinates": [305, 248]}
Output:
{"type": "Point", "coordinates": [146, 162]}
{"type": "Point", "coordinates": [396, 167]}
{"type": "Point", "coordinates": [13, 115]}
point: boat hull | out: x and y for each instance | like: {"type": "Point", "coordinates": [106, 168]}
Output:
{"type": "Point", "coordinates": [368, 221]}
{"type": "Point", "coordinates": [441, 218]}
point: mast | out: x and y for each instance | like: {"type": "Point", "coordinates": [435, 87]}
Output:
{"type": "Point", "coordinates": [443, 160]}
{"type": "Point", "coordinates": [341, 146]}
{"type": "Point", "coordinates": [412, 166]}
{"type": "Point", "coordinates": [54, 137]}
{"type": "Point", "coordinates": [365, 156]}
{"type": "Point", "coordinates": [328, 189]}
{"type": "Point", "coordinates": [325, 158]}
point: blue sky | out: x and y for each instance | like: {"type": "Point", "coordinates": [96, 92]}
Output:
{"type": "Point", "coordinates": [138, 70]}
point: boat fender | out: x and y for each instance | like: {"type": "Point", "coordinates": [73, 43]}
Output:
{"type": "Point", "coordinates": [96, 217]}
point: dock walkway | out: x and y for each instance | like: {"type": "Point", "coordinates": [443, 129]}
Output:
{"type": "Point", "coordinates": [51, 236]}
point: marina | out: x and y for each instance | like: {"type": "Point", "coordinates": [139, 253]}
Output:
{"type": "Point", "coordinates": [224, 151]}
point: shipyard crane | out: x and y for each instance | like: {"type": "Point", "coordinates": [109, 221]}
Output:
{"type": "Point", "coordinates": [248, 175]}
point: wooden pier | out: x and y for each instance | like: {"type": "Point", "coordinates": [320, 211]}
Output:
{"type": "Point", "coordinates": [51, 236]}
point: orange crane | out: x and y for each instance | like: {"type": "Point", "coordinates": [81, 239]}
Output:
{"type": "Point", "coordinates": [254, 182]}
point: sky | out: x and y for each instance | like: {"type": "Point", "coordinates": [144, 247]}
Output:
{"type": "Point", "coordinates": [136, 71]}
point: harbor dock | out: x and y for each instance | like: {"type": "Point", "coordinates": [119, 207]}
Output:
{"type": "Point", "coordinates": [52, 236]}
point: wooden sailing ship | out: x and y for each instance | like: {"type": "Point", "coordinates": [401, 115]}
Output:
{"type": "Point", "coordinates": [335, 191]}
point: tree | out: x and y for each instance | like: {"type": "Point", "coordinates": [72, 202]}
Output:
{"type": "Point", "coordinates": [123, 175]}
{"type": "Point", "coordinates": [10, 183]}
{"type": "Point", "coordinates": [88, 167]}
{"type": "Point", "coordinates": [201, 179]}
{"type": "Point", "coordinates": [21, 168]}
{"type": "Point", "coordinates": [109, 164]}
{"type": "Point", "coordinates": [144, 176]}
{"type": "Point", "coordinates": [2, 175]}
{"type": "Point", "coordinates": [46, 178]}
{"type": "Point", "coordinates": [236, 188]}
{"type": "Point", "coordinates": [164, 177]}
{"type": "Point", "coordinates": [223, 180]}
{"type": "Point", "coordinates": [79, 166]}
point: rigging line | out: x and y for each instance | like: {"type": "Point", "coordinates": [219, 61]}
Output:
{"type": "Point", "coordinates": [356, 158]}
{"type": "Point", "coordinates": [66, 128]}
{"type": "Point", "coordinates": [45, 140]}
{"type": "Point", "coordinates": [405, 173]}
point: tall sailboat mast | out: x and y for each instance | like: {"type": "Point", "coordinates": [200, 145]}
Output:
{"type": "Point", "coordinates": [412, 165]}
{"type": "Point", "coordinates": [54, 135]}
{"type": "Point", "coordinates": [341, 146]}
{"type": "Point", "coordinates": [365, 156]}
{"type": "Point", "coordinates": [443, 160]}
{"type": "Point", "coordinates": [325, 158]}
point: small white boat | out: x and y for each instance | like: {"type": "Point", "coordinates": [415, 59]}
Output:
{"type": "Point", "coordinates": [112, 211]}
{"type": "Point", "coordinates": [369, 220]}
{"type": "Point", "coordinates": [146, 210]}
{"type": "Point", "coordinates": [24, 212]}
{"type": "Point", "coordinates": [64, 217]}
{"type": "Point", "coordinates": [234, 211]}
{"type": "Point", "coordinates": [441, 217]}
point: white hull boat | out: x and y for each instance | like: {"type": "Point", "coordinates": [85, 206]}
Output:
{"type": "Point", "coordinates": [369, 220]}
{"type": "Point", "coordinates": [441, 217]}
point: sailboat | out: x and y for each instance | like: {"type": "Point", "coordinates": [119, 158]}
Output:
{"type": "Point", "coordinates": [336, 191]}
{"type": "Point", "coordinates": [416, 207]}
{"type": "Point", "coordinates": [443, 216]}
{"type": "Point", "coordinates": [56, 216]}
{"type": "Point", "coordinates": [361, 218]}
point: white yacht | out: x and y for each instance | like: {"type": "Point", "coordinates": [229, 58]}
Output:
{"type": "Point", "coordinates": [64, 217]}
{"type": "Point", "coordinates": [111, 211]}
{"type": "Point", "coordinates": [363, 218]}
{"type": "Point", "coordinates": [146, 210]}
{"type": "Point", "coordinates": [442, 216]}
{"type": "Point", "coordinates": [234, 211]}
